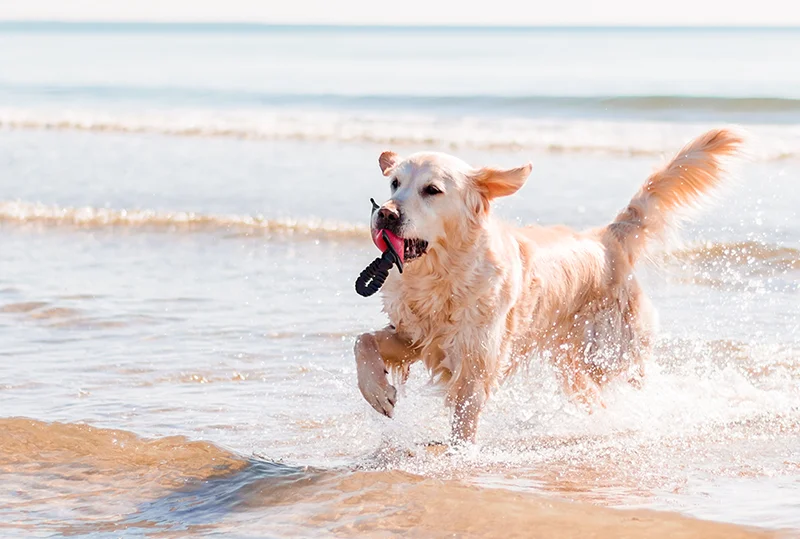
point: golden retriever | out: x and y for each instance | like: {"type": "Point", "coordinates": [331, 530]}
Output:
{"type": "Point", "coordinates": [478, 297]}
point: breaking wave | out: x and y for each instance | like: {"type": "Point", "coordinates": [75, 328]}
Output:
{"type": "Point", "coordinates": [781, 109]}
{"type": "Point", "coordinates": [734, 259]}
{"type": "Point", "coordinates": [18, 212]}
{"type": "Point", "coordinates": [741, 254]}
{"type": "Point", "coordinates": [26, 213]}
{"type": "Point", "coordinates": [409, 128]}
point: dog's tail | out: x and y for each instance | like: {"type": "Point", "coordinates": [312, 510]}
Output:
{"type": "Point", "coordinates": [680, 185]}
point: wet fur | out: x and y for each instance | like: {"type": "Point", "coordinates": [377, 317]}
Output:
{"type": "Point", "coordinates": [489, 296]}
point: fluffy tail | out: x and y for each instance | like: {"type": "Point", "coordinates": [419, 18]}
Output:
{"type": "Point", "coordinates": [695, 171]}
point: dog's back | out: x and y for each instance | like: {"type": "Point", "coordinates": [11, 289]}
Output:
{"type": "Point", "coordinates": [583, 306]}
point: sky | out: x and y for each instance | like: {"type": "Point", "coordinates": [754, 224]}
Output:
{"type": "Point", "coordinates": [417, 12]}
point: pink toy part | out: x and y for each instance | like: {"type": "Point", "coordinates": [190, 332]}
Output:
{"type": "Point", "coordinates": [397, 243]}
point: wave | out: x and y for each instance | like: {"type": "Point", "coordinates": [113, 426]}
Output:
{"type": "Point", "coordinates": [694, 103]}
{"type": "Point", "coordinates": [26, 213]}
{"type": "Point", "coordinates": [757, 258]}
{"type": "Point", "coordinates": [78, 479]}
{"type": "Point", "coordinates": [544, 135]}
{"type": "Point", "coordinates": [733, 266]}
{"type": "Point", "coordinates": [742, 253]}
{"type": "Point", "coordinates": [774, 108]}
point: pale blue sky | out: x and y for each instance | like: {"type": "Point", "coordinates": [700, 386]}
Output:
{"type": "Point", "coordinates": [492, 12]}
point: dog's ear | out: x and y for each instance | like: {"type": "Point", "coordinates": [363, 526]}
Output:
{"type": "Point", "coordinates": [387, 161]}
{"type": "Point", "coordinates": [495, 182]}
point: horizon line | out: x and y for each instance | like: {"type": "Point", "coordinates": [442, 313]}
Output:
{"type": "Point", "coordinates": [31, 24]}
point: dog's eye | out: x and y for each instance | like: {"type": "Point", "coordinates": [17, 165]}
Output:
{"type": "Point", "coordinates": [431, 190]}
{"type": "Point", "coordinates": [395, 184]}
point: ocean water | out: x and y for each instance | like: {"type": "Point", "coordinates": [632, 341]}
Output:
{"type": "Point", "coordinates": [184, 209]}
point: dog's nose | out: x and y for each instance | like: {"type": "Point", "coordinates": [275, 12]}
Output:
{"type": "Point", "coordinates": [388, 214]}
{"type": "Point", "coordinates": [388, 217]}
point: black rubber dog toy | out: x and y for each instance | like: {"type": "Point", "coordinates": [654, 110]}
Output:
{"type": "Point", "coordinates": [372, 278]}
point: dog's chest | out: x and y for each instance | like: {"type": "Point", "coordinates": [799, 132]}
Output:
{"type": "Point", "coordinates": [432, 310]}
{"type": "Point", "coordinates": [424, 316]}
{"type": "Point", "coordinates": [429, 308]}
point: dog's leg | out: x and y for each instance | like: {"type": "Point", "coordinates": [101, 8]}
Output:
{"type": "Point", "coordinates": [578, 384]}
{"type": "Point", "coordinates": [642, 320]}
{"type": "Point", "coordinates": [640, 357]}
{"type": "Point", "coordinates": [375, 353]}
{"type": "Point", "coordinates": [469, 401]}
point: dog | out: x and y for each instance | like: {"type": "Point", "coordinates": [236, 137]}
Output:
{"type": "Point", "coordinates": [479, 297]}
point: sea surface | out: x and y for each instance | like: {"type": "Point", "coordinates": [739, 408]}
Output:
{"type": "Point", "coordinates": [184, 209]}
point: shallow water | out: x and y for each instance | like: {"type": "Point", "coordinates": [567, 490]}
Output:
{"type": "Point", "coordinates": [180, 270]}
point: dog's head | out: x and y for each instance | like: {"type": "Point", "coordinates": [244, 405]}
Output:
{"type": "Point", "coordinates": [437, 197]}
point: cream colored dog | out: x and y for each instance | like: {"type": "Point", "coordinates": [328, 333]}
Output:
{"type": "Point", "coordinates": [478, 297]}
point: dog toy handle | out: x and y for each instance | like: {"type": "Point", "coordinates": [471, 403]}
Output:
{"type": "Point", "coordinates": [372, 278]}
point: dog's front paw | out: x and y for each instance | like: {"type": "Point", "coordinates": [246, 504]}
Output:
{"type": "Point", "coordinates": [375, 387]}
